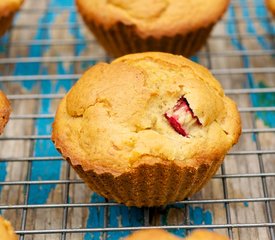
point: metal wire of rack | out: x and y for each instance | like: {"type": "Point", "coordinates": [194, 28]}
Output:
{"type": "Point", "coordinates": [44, 199]}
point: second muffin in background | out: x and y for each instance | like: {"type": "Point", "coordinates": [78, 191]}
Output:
{"type": "Point", "coordinates": [179, 27]}
{"type": "Point", "coordinates": [147, 129]}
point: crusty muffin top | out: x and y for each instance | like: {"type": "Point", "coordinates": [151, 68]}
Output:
{"type": "Point", "coordinates": [155, 105]}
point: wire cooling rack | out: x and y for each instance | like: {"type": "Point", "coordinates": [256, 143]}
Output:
{"type": "Point", "coordinates": [46, 51]}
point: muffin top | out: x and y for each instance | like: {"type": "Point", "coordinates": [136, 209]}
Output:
{"type": "Point", "coordinates": [5, 111]}
{"type": "Point", "coordinates": [8, 7]}
{"type": "Point", "coordinates": [6, 230]}
{"type": "Point", "coordinates": [154, 17]}
{"type": "Point", "coordinates": [145, 107]}
{"type": "Point", "coordinates": [205, 235]}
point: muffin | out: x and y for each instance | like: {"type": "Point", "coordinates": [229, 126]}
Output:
{"type": "Point", "coordinates": [147, 129]}
{"type": "Point", "coordinates": [179, 27]}
{"type": "Point", "coordinates": [152, 234]}
{"type": "Point", "coordinates": [270, 6]}
{"type": "Point", "coordinates": [205, 235]}
{"type": "Point", "coordinates": [6, 230]}
{"type": "Point", "coordinates": [7, 10]}
{"type": "Point", "coordinates": [5, 111]}
{"type": "Point", "coordinates": [159, 234]}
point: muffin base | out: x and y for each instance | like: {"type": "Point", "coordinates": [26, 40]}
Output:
{"type": "Point", "coordinates": [5, 24]}
{"type": "Point", "coordinates": [121, 39]}
{"type": "Point", "coordinates": [149, 185]}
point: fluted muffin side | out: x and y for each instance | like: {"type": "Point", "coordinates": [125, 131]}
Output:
{"type": "Point", "coordinates": [122, 39]}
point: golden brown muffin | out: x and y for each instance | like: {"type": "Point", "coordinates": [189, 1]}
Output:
{"type": "Point", "coordinates": [5, 111]}
{"type": "Point", "coordinates": [6, 230]}
{"type": "Point", "coordinates": [147, 129]}
{"type": "Point", "coordinates": [7, 10]}
{"type": "Point", "coordinates": [271, 6]}
{"type": "Point", "coordinates": [123, 26]}
{"type": "Point", "coordinates": [159, 234]}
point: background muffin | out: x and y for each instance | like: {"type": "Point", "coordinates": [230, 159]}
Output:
{"type": "Point", "coordinates": [159, 234]}
{"type": "Point", "coordinates": [271, 6]}
{"type": "Point", "coordinates": [5, 110]}
{"type": "Point", "coordinates": [123, 26]}
{"type": "Point", "coordinates": [152, 234]}
{"type": "Point", "coordinates": [6, 230]}
{"type": "Point", "coordinates": [147, 129]}
{"type": "Point", "coordinates": [7, 10]}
